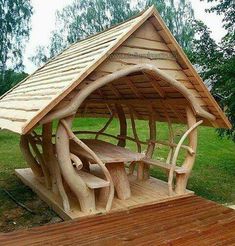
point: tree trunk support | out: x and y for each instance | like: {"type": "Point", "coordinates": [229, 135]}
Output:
{"type": "Point", "coordinates": [182, 179]}
{"type": "Point", "coordinates": [85, 195]}
{"type": "Point", "coordinates": [122, 124]}
{"type": "Point", "coordinates": [53, 165]}
{"type": "Point", "coordinates": [143, 172]}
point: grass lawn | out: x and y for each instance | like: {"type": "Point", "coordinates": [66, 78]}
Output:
{"type": "Point", "coordinates": [212, 176]}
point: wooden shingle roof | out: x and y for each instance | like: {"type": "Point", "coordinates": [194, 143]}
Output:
{"type": "Point", "coordinates": [26, 104]}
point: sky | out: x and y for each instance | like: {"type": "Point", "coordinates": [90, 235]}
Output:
{"type": "Point", "coordinates": [43, 22]}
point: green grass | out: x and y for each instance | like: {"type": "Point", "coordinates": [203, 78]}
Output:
{"type": "Point", "coordinates": [212, 176]}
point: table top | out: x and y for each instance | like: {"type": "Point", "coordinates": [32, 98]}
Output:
{"type": "Point", "coordinates": [107, 152]}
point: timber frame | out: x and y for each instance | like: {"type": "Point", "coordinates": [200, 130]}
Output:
{"type": "Point", "coordinates": [133, 71]}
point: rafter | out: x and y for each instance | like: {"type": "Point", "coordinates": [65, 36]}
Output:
{"type": "Point", "coordinates": [134, 88]}
{"type": "Point", "coordinates": [155, 85]}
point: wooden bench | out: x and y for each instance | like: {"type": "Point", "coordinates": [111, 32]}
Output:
{"type": "Point", "coordinates": [165, 166]}
{"type": "Point", "coordinates": [93, 182]}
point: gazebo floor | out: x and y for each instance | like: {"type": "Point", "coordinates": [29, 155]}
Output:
{"type": "Point", "coordinates": [186, 221]}
{"type": "Point", "coordinates": [142, 193]}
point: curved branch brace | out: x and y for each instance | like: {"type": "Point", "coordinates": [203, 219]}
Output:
{"type": "Point", "coordinates": [41, 161]}
{"type": "Point", "coordinates": [176, 153]}
{"type": "Point", "coordinates": [84, 195]}
{"type": "Point", "coordinates": [76, 161]}
{"type": "Point", "coordinates": [102, 130]}
{"type": "Point", "coordinates": [33, 164]}
{"type": "Point", "coordinates": [36, 137]}
{"type": "Point", "coordinates": [147, 68]}
{"type": "Point", "coordinates": [73, 137]}
{"type": "Point", "coordinates": [181, 180]}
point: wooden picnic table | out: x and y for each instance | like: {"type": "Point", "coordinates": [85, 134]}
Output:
{"type": "Point", "coordinates": [114, 157]}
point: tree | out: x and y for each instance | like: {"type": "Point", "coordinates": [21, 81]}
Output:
{"type": "Point", "coordinates": [15, 26]}
{"type": "Point", "coordinates": [41, 57]}
{"type": "Point", "coordinates": [178, 16]}
{"type": "Point", "coordinates": [218, 61]}
{"type": "Point", "coordinates": [224, 72]}
{"type": "Point", "coordinates": [83, 18]}
{"type": "Point", "coordinates": [11, 79]}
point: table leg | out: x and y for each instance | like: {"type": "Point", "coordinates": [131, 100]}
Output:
{"type": "Point", "coordinates": [143, 171]}
{"type": "Point", "coordinates": [120, 180]}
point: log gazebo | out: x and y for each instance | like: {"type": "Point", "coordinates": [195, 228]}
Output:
{"type": "Point", "coordinates": [133, 71]}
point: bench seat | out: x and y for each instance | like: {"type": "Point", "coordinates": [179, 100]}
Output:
{"type": "Point", "coordinates": [92, 181]}
{"type": "Point", "coordinates": [165, 166]}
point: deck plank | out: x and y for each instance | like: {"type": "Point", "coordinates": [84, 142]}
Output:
{"type": "Point", "coordinates": [187, 221]}
{"type": "Point", "coordinates": [143, 193]}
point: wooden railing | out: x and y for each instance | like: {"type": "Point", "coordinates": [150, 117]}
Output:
{"type": "Point", "coordinates": [176, 153]}
{"type": "Point", "coordinates": [165, 143]}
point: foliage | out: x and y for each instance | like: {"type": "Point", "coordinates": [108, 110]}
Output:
{"type": "Point", "coordinates": [83, 18]}
{"type": "Point", "coordinates": [178, 16]}
{"type": "Point", "coordinates": [41, 56]}
{"type": "Point", "coordinates": [15, 26]}
{"type": "Point", "coordinates": [11, 78]}
{"type": "Point", "coordinates": [217, 61]}
{"type": "Point", "coordinates": [226, 8]}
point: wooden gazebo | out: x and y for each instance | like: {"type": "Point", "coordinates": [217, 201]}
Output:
{"type": "Point", "coordinates": [135, 70]}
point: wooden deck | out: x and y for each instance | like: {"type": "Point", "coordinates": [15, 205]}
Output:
{"type": "Point", "coordinates": [143, 193]}
{"type": "Point", "coordinates": [186, 221]}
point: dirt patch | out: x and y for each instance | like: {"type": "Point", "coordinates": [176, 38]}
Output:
{"type": "Point", "coordinates": [13, 216]}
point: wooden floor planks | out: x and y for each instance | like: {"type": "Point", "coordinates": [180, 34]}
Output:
{"type": "Point", "coordinates": [143, 193]}
{"type": "Point", "coordinates": [186, 221]}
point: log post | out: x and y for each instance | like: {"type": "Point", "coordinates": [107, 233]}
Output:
{"type": "Point", "coordinates": [85, 195]}
{"type": "Point", "coordinates": [122, 124]}
{"type": "Point", "coordinates": [144, 169]}
{"type": "Point", "coordinates": [136, 139]}
{"type": "Point", "coordinates": [171, 134]}
{"type": "Point", "coordinates": [48, 153]}
{"type": "Point", "coordinates": [182, 179]}
{"type": "Point", "coordinates": [53, 165]}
